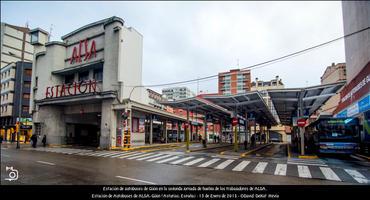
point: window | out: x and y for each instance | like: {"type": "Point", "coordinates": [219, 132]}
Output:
{"type": "Point", "coordinates": [36, 81]}
{"type": "Point", "coordinates": [25, 108]}
{"type": "Point", "coordinates": [83, 76]}
{"type": "Point", "coordinates": [28, 72]}
{"type": "Point", "coordinates": [27, 84]}
{"type": "Point", "coordinates": [35, 37]}
{"type": "Point", "coordinates": [69, 78]}
{"type": "Point", "coordinates": [135, 125]}
{"type": "Point", "coordinates": [26, 96]}
{"type": "Point", "coordinates": [6, 96]}
{"type": "Point", "coordinates": [98, 74]}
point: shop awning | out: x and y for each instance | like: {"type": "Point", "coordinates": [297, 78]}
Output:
{"type": "Point", "coordinates": [286, 101]}
{"type": "Point", "coordinates": [249, 102]}
{"type": "Point", "coordinates": [201, 106]}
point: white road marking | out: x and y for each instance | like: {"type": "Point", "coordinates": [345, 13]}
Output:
{"type": "Point", "coordinates": [260, 168]}
{"type": "Point", "coordinates": [329, 174]}
{"type": "Point", "coordinates": [97, 153]}
{"type": "Point", "coordinates": [47, 163]}
{"type": "Point", "coordinates": [281, 169]}
{"type": "Point", "coordinates": [208, 163]}
{"type": "Point", "coordinates": [104, 154]}
{"type": "Point", "coordinates": [134, 179]}
{"type": "Point", "coordinates": [4, 148]}
{"type": "Point", "coordinates": [181, 160]}
{"type": "Point", "coordinates": [129, 155]}
{"type": "Point", "coordinates": [140, 156]}
{"type": "Point", "coordinates": [224, 164]}
{"type": "Point", "coordinates": [241, 165]}
{"type": "Point", "coordinates": [303, 163]}
{"type": "Point", "coordinates": [120, 154]}
{"type": "Point", "coordinates": [193, 162]}
{"type": "Point", "coordinates": [87, 153]}
{"type": "Point", "coordinates": [168, 159]}
{"type": "Point", "coordinates": [5, 155]}
{"type": "Point", "coordinates": [357, 176]}
{"type": "Point", "coordinates": [303, 171]}
{"type": "Point", "coordinates": [158, 158]}
{"type": "Point", "coordinates": [111, 154]}
{"type": "Point", "coordinates": [147, 157]}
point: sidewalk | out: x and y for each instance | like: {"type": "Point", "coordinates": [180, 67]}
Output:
{"type": "Point", "coordinates": [294, 154]}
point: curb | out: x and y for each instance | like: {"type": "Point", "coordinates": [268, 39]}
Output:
{"type": "Point", "coordinates": [363, 156]}
{"type": "Point", "coordinates": [168, 145]}
{"type": "Point", "coordinates": [309, 157]}
{"type": "Point", "coordinates": [207, 148]}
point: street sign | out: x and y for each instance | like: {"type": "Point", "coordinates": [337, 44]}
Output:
{"type": "Point", "coordinates": [301, 122]}
{"type": "Point", "coordinates": [234, 121]}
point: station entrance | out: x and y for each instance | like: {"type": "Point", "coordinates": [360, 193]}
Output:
{"type": "Point", "coordinates": [83, 130]}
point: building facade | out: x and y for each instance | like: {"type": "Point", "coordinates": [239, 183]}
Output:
{"type": "Point", "coordinates": [276, 133]}
{"type": "Point", "coordinates": [15, 42]}
{"type": "Point", "coordinates": [84, 89]}
{"type": "Point", "coordinates": [355, 96]}
{"type": "Point", "coordinates": [235, 81]}
{"type": "Point", "coordinates": [13, 102]}
{"type": "Point", "coordinates": [176, 93]}
{"type": "Point", "coordinates": [333, 74]}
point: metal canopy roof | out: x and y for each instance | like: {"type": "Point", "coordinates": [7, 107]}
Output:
{"type": "Point", "coordinates": [249, 102]}
{"type": "Point", "coordinates": [286, 100]}
{"type": "Point", "coordinates": [199, 105]}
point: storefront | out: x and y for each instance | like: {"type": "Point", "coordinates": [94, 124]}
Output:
{"type": "Point", "coordinates": [355, 102]}
{"type": "Point", "coordinates": [83, 88]}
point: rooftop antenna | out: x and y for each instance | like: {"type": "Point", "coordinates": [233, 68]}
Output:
{"type": "Point", "coordinates": [27, 24]}
{"type": "Point", "coordinates": [51, 29]}
{"type": "Point", "coordinates": [198, 85]}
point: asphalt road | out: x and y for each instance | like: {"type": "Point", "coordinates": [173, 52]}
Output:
{"type": "Point", "coordinates": [46, 168]}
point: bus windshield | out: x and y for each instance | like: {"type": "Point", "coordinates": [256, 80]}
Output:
{"type": "Point", "coordinates": [338, 130]}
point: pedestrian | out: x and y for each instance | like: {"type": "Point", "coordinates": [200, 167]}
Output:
{"type": "Point", "coordinates": [231, 139]}
{"type": "Point", "coordinates": [264, 138]}
{"type": "Point", "coordinates": [245, 144]}
{"type": "Point", "coordinates": [200, 138]}
{"type": "Point", "coordinates": [253, 140]}
{"type": "Point", "coordinates": [34, 140]}
{"type": "Point", "coordinates": [1, 139]}
{"type": "Point", "coordinates": [44, 141]}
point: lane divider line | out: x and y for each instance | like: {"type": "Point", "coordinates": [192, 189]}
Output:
{"type": "Point", "coordinates": [138, 180]}
{"type": "Point", "coordinates": [47, 163]}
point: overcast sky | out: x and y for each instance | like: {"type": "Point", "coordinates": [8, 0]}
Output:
{"type": "Point", "coordinates": [186, 40]}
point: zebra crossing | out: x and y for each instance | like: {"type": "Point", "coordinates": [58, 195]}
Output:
{"type": "Point", "coordinates": [293, 167]}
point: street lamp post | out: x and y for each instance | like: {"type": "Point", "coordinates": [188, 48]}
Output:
{"type": "Point", "coordinates": [21, 90]}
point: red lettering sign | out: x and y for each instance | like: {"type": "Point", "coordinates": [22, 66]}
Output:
{"type": "Point", "coordinates": [77, 52]}
{"type": "Point", "coordinates": [81, 87]}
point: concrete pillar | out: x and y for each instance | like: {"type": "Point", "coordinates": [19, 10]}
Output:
{"type": "Point", "coordinates": [165, 130]}
{"type": "Point", "coordinates": [151, 130]}
{"type": "Point", "coordinates": [205, 130]}
{"type": "Point", "coordinates": [108, 125]}
{"type": "Point", "coordinates": [178, 131]}
{"type": "Point", "coordinates": [187, 130]}
{"type": "Point", "coordinates": [191, 131]}
{"type": "Point", "coordinates": [53, 122]}
{"type": "Point", "coordinates": [196, 133]}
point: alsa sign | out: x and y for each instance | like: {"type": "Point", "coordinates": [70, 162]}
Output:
{"type": "Point", "coordinates": [72, 89]}
{"type": "Point", "coordinates": [83, 47]}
